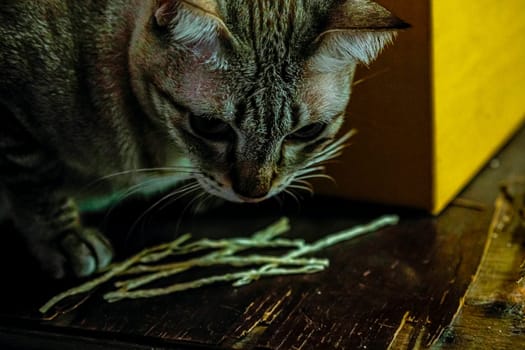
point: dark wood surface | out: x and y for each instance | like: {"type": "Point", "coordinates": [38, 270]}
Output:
{"type": "Point", "coordinates": [402, 287]}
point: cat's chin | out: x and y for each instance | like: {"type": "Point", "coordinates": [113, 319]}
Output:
{"type": "Point", "coordinates": [227, 193]}
{"type": "Point", "coordinates": [253, 200]}
{"type": "Point", "coordinates": [231, 196]}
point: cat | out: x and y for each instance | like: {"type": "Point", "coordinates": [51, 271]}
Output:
{"type": "Point", "coordinates": [242, 98]}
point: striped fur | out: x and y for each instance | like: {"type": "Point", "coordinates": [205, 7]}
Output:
{"type": "Point", "coordinates": [241, 97]}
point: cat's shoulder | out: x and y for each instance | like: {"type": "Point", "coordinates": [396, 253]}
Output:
{"type": "Point", "coordinates": [28, 15]}
{"type": "Point", "coordinates": [30, 7]}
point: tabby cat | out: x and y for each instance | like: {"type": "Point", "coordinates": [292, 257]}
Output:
{"type": "Point", "coordinates": [242, 98]}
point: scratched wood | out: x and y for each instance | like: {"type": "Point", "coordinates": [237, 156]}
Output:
{"type": "Point", "coordinates": [494, 307]}
{"type": "Point", "coordinates": [398, 288]}
{"type": "Point", "coordinates": [493, 315]}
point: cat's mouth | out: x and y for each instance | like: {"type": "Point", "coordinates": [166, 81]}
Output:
{"type": "Point", "coordinates": [224, 190]}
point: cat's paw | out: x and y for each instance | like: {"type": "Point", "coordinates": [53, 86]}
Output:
{"type": "Point", "coordinates": [87, 251]}
{"type": "Point", "coordinates": [81, 252]}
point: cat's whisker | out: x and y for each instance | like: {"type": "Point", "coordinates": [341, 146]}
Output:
{"type": "Point", "coordinates": [315, 164]}
{"type": "Point", "coordinates": [174, 170]}
{"type": "Point", "coordinates": [170, 200]}
{"type": "Point", "coordinates": [198, 201]}
{"type": "Point", "coordinates": [184, 190]}
{"type": "Point", "coordinates": [317, 176]}
{"type": "Point", "coordinates": [128, 193]}
{"type": "Point", "coordinates": [369, 77]}
{"type": "Point", "coordinates": [305, 171]}
{"type": "Point", "coordinates": [303, 188]}
{"type": "Point", "coordinates": [335, 147]}
{"type": "Point", "coordinates": [294, 196]}
{"type": "Point", "coordinates": [331, 151]}
{"type": "Point", "coordinates": [303, 182]}
{"type": "Point", "coordinates": [188, 206]}
{"type": "Point", "coordinates": [339, 144]}
{"type": "Point", "coordinates": [180, 193]}
{"type": "Point", "coordinates": [279, 200]}
{"type": "Point", "coordinates": [323, 160]}
{"type": "Point", "coordinates": [325, 156]}
{"type": "Point", "coordinates": [202, 202]}
{"type": "Point", "coordinates": [135, 189]}
{"type": "Point", "coordinates": [334, 150]}
{"type": "Point", "coordinates": [333, 160]}
{"type": "Point", "coordinates": [194, 203]}
{"type": "Point", "coordinates": [340, 141]}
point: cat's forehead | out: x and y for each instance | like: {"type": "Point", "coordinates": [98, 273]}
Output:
{"type": "Point", "coordinates": [273, 28]}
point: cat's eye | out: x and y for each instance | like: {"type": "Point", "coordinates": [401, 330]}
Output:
{"type": "Point", "coordinates": [210, 128]}
{"type": "Point", "coordinates": [308, 132]}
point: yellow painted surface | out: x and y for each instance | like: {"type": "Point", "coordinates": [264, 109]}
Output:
{"type": "Point", "coordinates": [443, 100]}
{"type": "Point", "coordinates": [479, 86]}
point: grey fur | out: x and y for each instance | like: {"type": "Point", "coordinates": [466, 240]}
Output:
{"type": "Point", "coordinates": [113, 89]}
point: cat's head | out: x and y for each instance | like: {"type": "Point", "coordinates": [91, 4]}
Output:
{"type": "Point", "coordinates": [254, 91]}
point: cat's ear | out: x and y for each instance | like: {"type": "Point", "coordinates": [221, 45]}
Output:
{"type": "Point", "coordinates": [195, 25]}
{"type": "Point", "coordinates": [356, 31]}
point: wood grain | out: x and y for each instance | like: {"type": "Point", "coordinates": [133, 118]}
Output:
{"type": "Point", "coordinates": [400, 288]}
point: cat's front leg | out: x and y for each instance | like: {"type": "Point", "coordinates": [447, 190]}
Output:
{"type": "Point", "coordinates": [51, 226]}
{"type": "Point", "coordinates": [32, 179]}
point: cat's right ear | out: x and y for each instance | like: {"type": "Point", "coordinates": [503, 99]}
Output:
{"type": "Point", "coordinates": [355, 32]}
{"type": "Point", "coordinates": [195, 25]}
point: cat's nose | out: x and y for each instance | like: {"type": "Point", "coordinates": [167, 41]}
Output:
{"type": "Point", "coordinates": [250, 191]}
{"type": "Point", "coordinates": [251, 183]}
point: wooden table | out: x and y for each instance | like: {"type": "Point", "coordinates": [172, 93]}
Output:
{"type": "Point", "coordinates": [446, 282]}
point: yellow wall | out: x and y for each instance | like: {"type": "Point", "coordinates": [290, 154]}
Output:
{"type": "Point", "coordinates": [437, 104]}
{"type": "Point", "coordinates": [479, 85]}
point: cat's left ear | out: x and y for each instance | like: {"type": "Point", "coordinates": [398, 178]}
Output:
{"type": "Point", "coordinates": [196, 25]}
{"type": "Point", "coordinates": [356, 32]}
